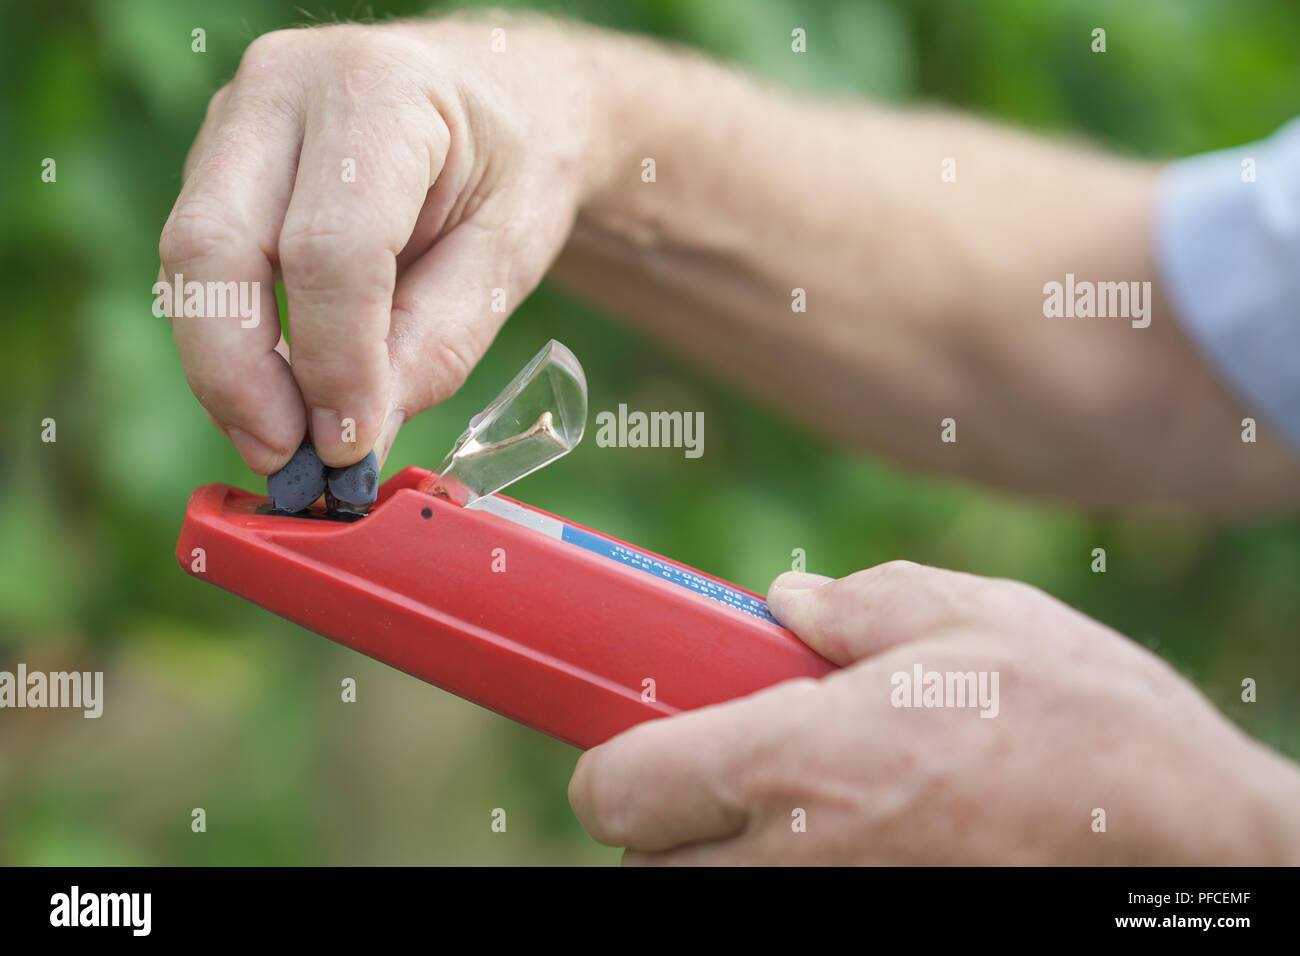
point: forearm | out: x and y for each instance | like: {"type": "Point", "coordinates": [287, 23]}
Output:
{"type": "Point", "coordinates": [924, 298]}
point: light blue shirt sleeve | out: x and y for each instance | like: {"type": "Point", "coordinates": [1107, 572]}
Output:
{"type": "Point", "coordinates": [1228, 249]}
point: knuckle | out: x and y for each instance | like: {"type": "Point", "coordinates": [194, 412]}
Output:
{"type": "Point", "coordinates": [900, 568]}
{"type": "Point", "coordinates": [194, 232]}
{"type": "Point", "coordinates": [370, 56]}
{"type": "Point", "coordinates": [366, 48]}
{"type": "Point", "coordinates": [268, 53]}
{"type": "Point", "coordinates": [310, 247]}
{"type": "Point", "coordinates": [321, 253]}
{"type": "Point", "coordinates": [355, 395]}
{"type": "Point", "coordinates": [227, 397]}
{"type": "Point", "coordinates": [869, 583]}
{"type": "Point", "coordinates": [769, 780]}
{"type": "Point", "coordinates": [217, 101]}
{"type": "Point", "coordinates": [335, 364]}
{"type": "Point", "coordinates": [455, 362]}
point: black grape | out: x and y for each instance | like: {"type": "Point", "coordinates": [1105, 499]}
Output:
{"type": "Point", "coordinates": [299, 483]}
{"type": "Point", "coordinates": [357, 485]}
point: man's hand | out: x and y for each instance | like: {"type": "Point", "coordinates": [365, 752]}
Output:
{"type": "Point", "coordinates": [409, 184]}
{"type": "Point", "coordinates": [1084, 720]}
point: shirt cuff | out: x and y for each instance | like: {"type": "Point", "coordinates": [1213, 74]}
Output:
{"type": "Point", "coordinates": [1228, 249]}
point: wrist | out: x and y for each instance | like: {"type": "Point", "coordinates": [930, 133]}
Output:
{"type": "Point", "coordinates": [649, 103]}
{"type": "Point", "coordinates": [607, 76]}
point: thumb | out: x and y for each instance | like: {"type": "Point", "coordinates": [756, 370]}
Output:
{"type": "Point", "coordinates": [817, 609]}
{"type": "Point", "coordinates": [388, 434]}
{"type": "Point", "coordinates": [452, 300]}
{"type": "Point", "coordinates": [869, 611]}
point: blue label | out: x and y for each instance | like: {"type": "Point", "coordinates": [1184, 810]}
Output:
{"type": "Point", "coordinates": [648, 563]}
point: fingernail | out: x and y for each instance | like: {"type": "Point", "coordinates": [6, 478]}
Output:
{"type": "Point", "coordinates": [800, 580]}
{"type": "Point", "coordinates": [256, 454]}
{"type": "Point", "coordinates": [326, 431]}
{"type": "Point", "coordinates": [388, 434]}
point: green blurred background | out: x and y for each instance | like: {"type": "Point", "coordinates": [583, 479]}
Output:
{"type": "Point", "coordinates": [213, 703]}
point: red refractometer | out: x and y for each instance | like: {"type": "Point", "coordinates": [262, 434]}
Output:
{"type": "Point", "coordinates": [554, 625]}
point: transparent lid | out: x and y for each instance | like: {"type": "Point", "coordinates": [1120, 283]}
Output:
{"type": "Point", "coordinates": [539, 417]}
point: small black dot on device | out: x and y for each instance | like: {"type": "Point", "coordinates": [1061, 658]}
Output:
{"type": "Point", "coordinates": [426, 513]}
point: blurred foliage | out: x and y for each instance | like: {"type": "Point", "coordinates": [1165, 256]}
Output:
{"type": "Point", "coordinates": [214, 703]}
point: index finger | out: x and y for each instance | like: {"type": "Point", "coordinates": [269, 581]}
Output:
{"type": "Point", "coordinates": [218, 275]}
